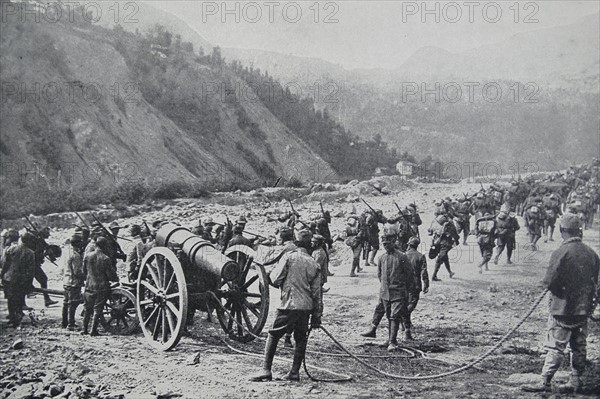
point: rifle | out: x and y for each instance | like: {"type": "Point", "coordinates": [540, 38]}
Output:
{"type": "Point", "coordinates": [277, 182]}
{"type": "Point", "coordinates": [398, 207]}
{"type": "Point", "coordinates": [481, 184]}
{"type": "Point", "coordinates": [82, 220]}
{"type": "Point", "coordinates": [37, 233]}
{"type": "Point", "coordinates": [321, 205]}
{"type": "Point", "coordinates": [108, 233]}
{"type": "Point", "coordinates": [293, 210]}
{"type": "Point", "coordinates": [247, 232]}
{"type": "Point", "coordinates": [369, 206]}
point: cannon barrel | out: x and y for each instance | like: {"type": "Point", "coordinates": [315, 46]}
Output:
{"type": "Point", "coordinates": [200, 253]}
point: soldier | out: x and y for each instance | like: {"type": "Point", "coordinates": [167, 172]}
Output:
{"type": "Point", "coordinates": [506, 228]}
{"type": "Point", "coordinates": [419, 266]}
{"type": "Point", "coordinates": [444, 237]}
{"type": "Point", "coordinates": [18, 262]}
{"type": "Point", "coordinates": [551, 204]}
{"type": "Point", "coordinates": [238, 238]}
{"type": "Point", "coordinates": [73, 281]}
{"type": "Point", "coordinates": [207, 228]}
{"type": "Point", "coordinates": [144, 241]}
{"type": "Point", "coordinates": [534, 221]}
{"type": "Point", "coordinates": [485, 230]}
{"type": "Point", "coordinates": [116, 252]}
{"type": "Point", "coordinates": [297, 275]}
{"type": "Point", "coordinates": [198, 229]}
{"type": "Point", "coordinates": [572, 278]}
{"type": "Point", "coordinates": [354, 239]}
{"type": "Point", "coordinates": [40, 254]}
{"type": "Point", "coordinates": [402, 229]}
{"type": "Point", "coordinates": [99, 271]}
{"type": "Point", "coordinates": [319, 254]}
{"type": "Point", "coordinates": [462, 220]}
{"type": "Point", "coordinates": [397, 279]}
{"type": "Point", "coordinates": [415, 219]}
{"type": "Point", "coordinates": [482, 205]}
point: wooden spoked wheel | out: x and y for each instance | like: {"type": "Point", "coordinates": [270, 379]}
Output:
{"type": "Point", "coordinates": [245, 299]}
{"type": "Point", "coordinates": [119, 315]}
{"type": "Point", "coordinates": [162, 298]}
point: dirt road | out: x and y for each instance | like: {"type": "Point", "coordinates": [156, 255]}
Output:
{"type": "Point", "coordinates": [456, 321]}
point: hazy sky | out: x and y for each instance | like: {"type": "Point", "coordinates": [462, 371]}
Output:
{"type": "Point", "coordinates": [366, 34]}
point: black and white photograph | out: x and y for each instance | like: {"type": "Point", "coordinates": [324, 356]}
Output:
{"type": "Point", "coordinates": [299, 199]}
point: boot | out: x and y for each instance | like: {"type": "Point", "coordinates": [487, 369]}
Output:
{"type": "Point", "coordinates": [72, 311]}
{"type": "Point", "coordinates": [541, 386]}
{"type": "Point", "coordinates": [408, 335]}
{"type": "Point", "coordinates": [508, 261]}
{"type": "Point", "coordinates": [294, 374]}
{"type": "Point", "coordinates": [65, 315]}
{"type": "Point", "coordinates": [572, 386]}
{"type": "Point", "coordinates": [95, 322]}
{"type": "Point", "coordinates": [48, 301]}
{"type": "Point", "coordinates": [371, 332]}
{"type": "Point", "coordinates": [393, 344]}
{"type": "Point", "coordinates": [435, 278]}
{"type": "Point", "coordinates": [372, 258]}
{"type": "Point", "coordinates": [86, 322]}
{"type": "Point", "coordinates": [354, 266]}
{"type": "Point", "coordinates": [265, 374]}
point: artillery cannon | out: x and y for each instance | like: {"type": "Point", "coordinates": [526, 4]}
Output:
{"type": "Point", "coordinates": [184, 272]}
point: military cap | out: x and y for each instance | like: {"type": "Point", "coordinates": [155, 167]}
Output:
{"type": "Point", "coordinates": [242, 220]}
{"type": "Point", "coordinates": [208, 221]}
{"type": "Point", "coordinates": [414, 241]}
{"type": "Point", "coordinates": [303, 235]}
{"type": "Point", "coordinates": [114, 225]}
{"type": "Point", "coordinates": [570, 221]}
{"type": "Point", "coordinates": [318, 238]}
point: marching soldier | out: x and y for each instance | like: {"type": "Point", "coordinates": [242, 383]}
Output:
{"type": "Point", "coordinates": [485, 230]}
{"type": "Point", "coordinates": [463, 218]}
{"type": "Point", "coordinates": [506, 228]}
{"type": "Point", "coordinates": [354, 239]}
{"type": "Point", "coordinates": [444, 238]}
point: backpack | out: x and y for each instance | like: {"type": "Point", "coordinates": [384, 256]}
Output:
{"type": "Point", "coordinates": [485, 226]}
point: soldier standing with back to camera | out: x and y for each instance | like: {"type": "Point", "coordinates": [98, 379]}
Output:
{"type": "Point", "coordinates": [572, 278]}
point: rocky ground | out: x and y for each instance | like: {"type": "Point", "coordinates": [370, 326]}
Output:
{"type": "Point", "coordinates": [458, 320]}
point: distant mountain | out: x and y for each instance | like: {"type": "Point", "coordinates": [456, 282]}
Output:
{"type": "Point", "coordinates": [557, 68]}
{"type": "Point", "coordinates": [557, 54]}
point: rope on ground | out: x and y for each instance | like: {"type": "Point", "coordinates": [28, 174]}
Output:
{"type": "Point", "coordinates": [410, 351]}
{"type": "Point", "coordinates": [448, 373]}
{"type": "Point", "coordinates": [384, 373]}
{"type": "Point", "coordinates": [341, 377]}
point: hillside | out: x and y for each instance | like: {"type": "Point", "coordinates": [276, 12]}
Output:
{"type": "Point", "coordinates": [110, 106]}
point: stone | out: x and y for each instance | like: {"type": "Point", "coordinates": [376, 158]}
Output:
{"type": "Point", "coordinates": [18, 344]}
{"type": "Point", "coordinates": [192, 359]}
